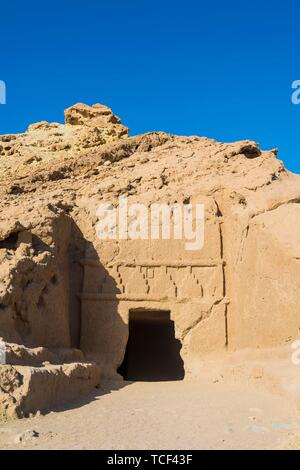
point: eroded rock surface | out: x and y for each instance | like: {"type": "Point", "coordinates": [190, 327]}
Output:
{"type": "Point", "coordinates": [65, 295]}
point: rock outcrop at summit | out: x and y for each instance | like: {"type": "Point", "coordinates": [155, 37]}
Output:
{"type": "Point", "coordinates": [65, 295]}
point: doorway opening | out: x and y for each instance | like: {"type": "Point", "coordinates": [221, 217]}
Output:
{"type": "Point", "coordinates": [153, 352]}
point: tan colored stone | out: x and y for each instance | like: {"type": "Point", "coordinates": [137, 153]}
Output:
{"type": "Point", "coordinates": [65, 295]}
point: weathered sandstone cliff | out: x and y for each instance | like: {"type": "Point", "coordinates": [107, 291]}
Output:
{"type": "Point", "coordinates": [65, 295]}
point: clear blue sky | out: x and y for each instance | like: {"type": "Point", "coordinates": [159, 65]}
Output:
{"type": "Point", "coordinates": [220, 69]}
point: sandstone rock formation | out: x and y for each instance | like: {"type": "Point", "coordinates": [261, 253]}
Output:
{"type": "Point", "coordinates": [65, 295]}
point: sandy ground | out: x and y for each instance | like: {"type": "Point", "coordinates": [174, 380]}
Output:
{"type": "Point", "coordinates": [161, 415]}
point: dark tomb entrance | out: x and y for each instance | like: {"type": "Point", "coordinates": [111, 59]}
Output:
{"type": "Point", "coordinates": [153, 352]}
